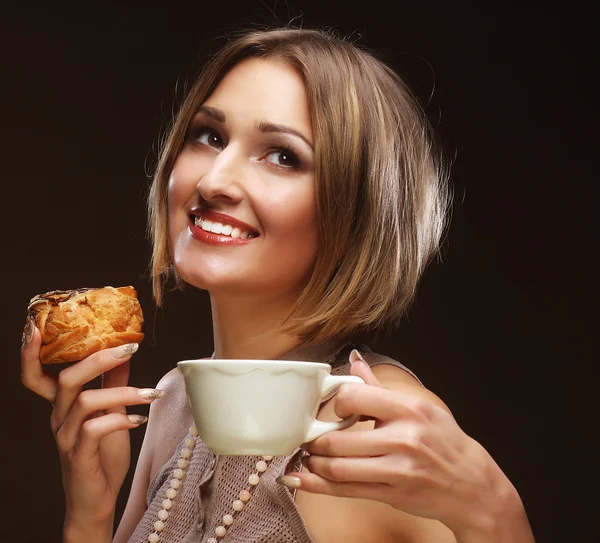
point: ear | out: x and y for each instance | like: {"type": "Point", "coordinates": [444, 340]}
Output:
{"type": "Point", "coordinates": [360, 368]}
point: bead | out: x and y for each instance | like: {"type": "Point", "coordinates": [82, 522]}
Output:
{"type": "Point", "coordinates": [220, 531]}
{"type": "Point", "coordinates": [171, 493]}
{"type": "Point", "coordinates": [238, 505]}
{"type": "Point", "coordinates": [175, 483]}
{"type": "Point", "coordinates": [261, 466]}
{"type": "Point", "coordinates": [185, 453]}
{"type": "Point", "coordinates": [211, 540]}
{"type": "Point", "coordinates": [267, 458]}
{"type": "Point", "coordinates": [244, 495]}
{"type": "Point", "coordinates": [227, 520]}
{"type": "Point", "coordinates": [253, 479]}
{"type": "Point", "coordinates": [163, 515]}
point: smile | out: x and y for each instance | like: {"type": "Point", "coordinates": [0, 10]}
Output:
{"type": "Point", "coordinates": [222, 229]}
{"type": "Point", "coordinates": [216, 228]}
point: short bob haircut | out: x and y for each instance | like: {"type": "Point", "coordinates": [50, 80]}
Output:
{"type": "Point", "coordinates": [382, 197]}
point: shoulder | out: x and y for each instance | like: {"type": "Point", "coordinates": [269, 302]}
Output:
{"type": "Point", "coordinates": [394, 375]}
{"type": "Point", "coordinates": [169, 419]}
{"type": "Point", "coordinates": [171, 381]}
{"type": "Point", "coordinates": [162, 434]}
{"type": "Point", "coordinates": [174, 399]}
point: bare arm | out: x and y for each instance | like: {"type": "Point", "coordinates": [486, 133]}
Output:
{"type": "Point", "coordinates": [440, 483]}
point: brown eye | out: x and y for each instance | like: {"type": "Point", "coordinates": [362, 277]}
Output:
{"type": "Point", "coordinates": [209, 137]}
{"type": "Point", "coordinates": [283, 159]}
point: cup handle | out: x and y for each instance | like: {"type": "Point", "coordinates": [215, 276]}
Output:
{"type": "Point", "coordinates": [319, 427]}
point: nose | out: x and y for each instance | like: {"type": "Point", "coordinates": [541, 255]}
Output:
{"type": "Point", "coordinates": [222, 181]}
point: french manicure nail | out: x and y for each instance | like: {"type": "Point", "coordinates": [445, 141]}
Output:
{"type": "Point", "coordinates": [125, 350]}
{"type": "Point", "coordinates": [357, 355]}
{"type": "Point", "coordinates": [27, 332]}
{"type": "Point", "coordinates": [289, 481]}
{"type": "Point", "coordinates": [151, 393]}
{"type": "Point", "coordinates": [138, 419]}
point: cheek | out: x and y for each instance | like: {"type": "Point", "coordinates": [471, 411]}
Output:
{"type": "Point", "coordinates": [290, 223]}
{"type": "Point", "coordinates": [182, 186]}
{"type": "Point", "coordinates": [292, 211]}
{"type": "Point", "coordinates": [183, 179]}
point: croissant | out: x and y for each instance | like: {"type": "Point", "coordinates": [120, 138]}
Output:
{"type": "Point", "coordinates": [76, 323]}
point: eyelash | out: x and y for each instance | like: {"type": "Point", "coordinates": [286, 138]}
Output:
{"type": "Point", "coordinates": [198, 131]}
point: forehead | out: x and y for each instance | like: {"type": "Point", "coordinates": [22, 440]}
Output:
{"type": "Point", "coordinates": [263, 90]}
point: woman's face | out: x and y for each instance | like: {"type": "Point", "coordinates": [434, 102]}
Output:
{"type": "Point", "coordinates": [242, 209]}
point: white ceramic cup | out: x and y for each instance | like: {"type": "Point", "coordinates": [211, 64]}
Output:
{"type": "Point", "coordinates": [260, 407]}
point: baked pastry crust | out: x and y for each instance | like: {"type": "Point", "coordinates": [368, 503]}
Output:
{"type": "Point", "coordinates": [76, 323]}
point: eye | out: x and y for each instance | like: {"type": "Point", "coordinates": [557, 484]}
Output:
{"type": "Point", "coordinates": [283, 158]}
{"type": "Point", "coordinates": [208, 136]}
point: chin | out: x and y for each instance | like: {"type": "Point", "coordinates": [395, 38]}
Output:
{"type": "Point", "coordinates": [214, 281]}
{"type": "Point", "coordinates": [253, 275]}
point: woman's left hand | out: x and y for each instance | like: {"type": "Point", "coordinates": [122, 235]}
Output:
{"type": "Point", "coordinates": [416, 459]}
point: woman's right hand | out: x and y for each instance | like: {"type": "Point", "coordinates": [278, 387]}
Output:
{"type": "Point", "coordinates": [91, 429]}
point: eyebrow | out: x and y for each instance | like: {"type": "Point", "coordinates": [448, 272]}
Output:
{"type": "Point", "coordinates": [271, 127]}
{"type": "Point", "coordinates": [264, 126]}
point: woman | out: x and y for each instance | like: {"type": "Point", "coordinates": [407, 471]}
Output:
{"type": "Point", "coordinates": [299, 187]}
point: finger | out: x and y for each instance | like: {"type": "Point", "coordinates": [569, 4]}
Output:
{"type": "Point", "coordinates": [356, 443]}
{"type": "Point", "coordinates": [360, 368]}
{"type": "Point", "coordinates": [90, 402]}
{"type": "Point", "coordinates": [374, 401]}
{"type": "Point", "coordinates": [311, 482]}
{"type": "Point", "coordinates": [117, 377]}
{"type": "Point", "coordinates": [33, 375]}
{"type": "Point", "coordinates": [72, 379]}
{"type": "Point", "coordinates": [93, 430]}
{"type": "Point", "coordinates": [344, 470]}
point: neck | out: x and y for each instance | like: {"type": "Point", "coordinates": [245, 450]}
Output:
{"type": "Point", "coordinates": [247, 328]}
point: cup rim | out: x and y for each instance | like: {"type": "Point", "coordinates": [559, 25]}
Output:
{"type": "Point", "coordinates": [225, 362]}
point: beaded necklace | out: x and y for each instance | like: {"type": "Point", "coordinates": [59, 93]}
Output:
{"type": "Point", "coordinates": [177, 480]}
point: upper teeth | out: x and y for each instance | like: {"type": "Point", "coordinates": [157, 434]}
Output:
{"type": "Point", "coordinates": [220, 228]}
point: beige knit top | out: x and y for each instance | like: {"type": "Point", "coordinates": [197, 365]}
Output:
{"type": "Point", "coordinates": [213, 482]}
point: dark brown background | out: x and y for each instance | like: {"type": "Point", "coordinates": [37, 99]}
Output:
{"type": "Point", "coordinates": [500, 329]}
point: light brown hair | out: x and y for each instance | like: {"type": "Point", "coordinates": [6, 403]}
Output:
{"type": "Point", "coordinates": [381, 191]}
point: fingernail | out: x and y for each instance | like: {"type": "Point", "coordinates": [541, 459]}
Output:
{"type": "Point", "coordinates": [151, 393]}
{"type": "Point", "coordinates": [289, 481]}
{"type": "Point", "coordinates": [137, 419]}
{"type": "Point", "coordinates": [125, 350]}
{"type": "Point", "coordinates": [357, 356]}
{"type": "Point", "coordinates": [27, 332]}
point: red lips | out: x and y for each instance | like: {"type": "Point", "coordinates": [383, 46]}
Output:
{"type": "Point", "coordinates": [219, 239]}
{"type": "Point", "coordinates": [215, 216]}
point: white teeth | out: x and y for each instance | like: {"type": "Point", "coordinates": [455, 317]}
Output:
{"type": "Point", "coordinates": [216, 228]}
{"type": "Point", "coordinates": [223, 229]}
